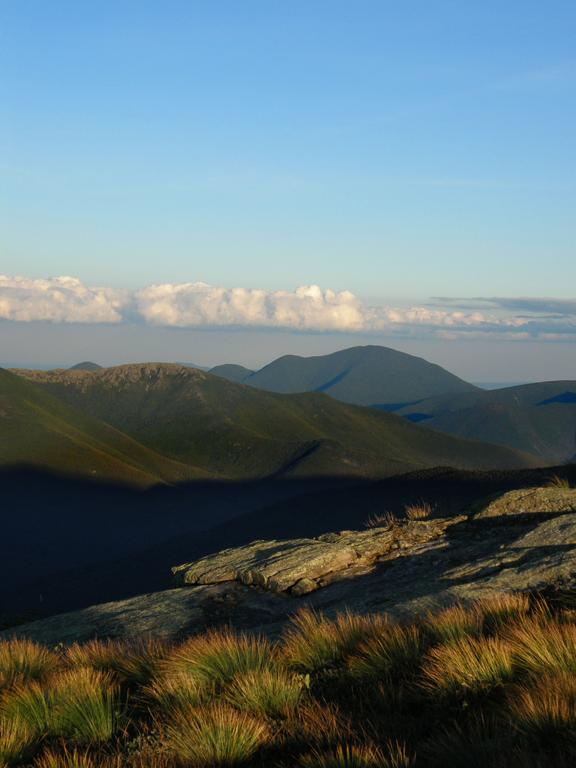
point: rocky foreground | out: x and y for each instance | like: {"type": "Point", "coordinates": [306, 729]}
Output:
{"type": "Point", "coordinates": [522, 540]}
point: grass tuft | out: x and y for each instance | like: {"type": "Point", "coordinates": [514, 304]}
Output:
{"type": "Point", "coordinates": [176, 690]}
{"type": "Point", "coordinates": [395, 652]}
{"type": "Point", "coordinates": [313, 642]}
{"type": "Point", "coordinates": [454, 623]}
{"type": "Point", "coordinates": [135, 662]}
{"type": "Point", "coordinates": [215, 736]}
{"type": "Point", "coordinates": [467, 665]}
{"type": "Point", "coordinates": [218, 656]}
{"type": "Point", "coordinates": [272, 693]}
{"type": "Point", "coordinates": [421, 511]}
{"type": "Point", "coordinates": [22, 660]}
{"type": "Point", "coordinates": [545, 709]}
{"type": "Point", "coordinates": [17, 742]}
{"type": "Point", "coordinates": [541, 645]}
{"type": "Point", "coordinates": [346, 756]}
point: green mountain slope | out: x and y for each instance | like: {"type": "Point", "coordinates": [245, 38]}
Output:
{"type": "Point", "coordinates": [538, 418]}
{"type": "Point", "coordinates": [39, 430]}
{"type": "Point", "coordinates": [369, 375]}
{"type": "Point", "coordinates": [239, 432]}
{"type": "Point", "coordinates": [237, 373]}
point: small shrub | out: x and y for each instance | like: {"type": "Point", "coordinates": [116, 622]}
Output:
{"type": "Point", "coordinates": [420, 511]}
{"type": "Point", "coordinates": [22, 660]}
{"type": "Point", "coordinates": [545, 709]}
{"type": "Point", "coordinates": [134, 662]}
{"type": "Point", "coordinates": [17, 742]}
{"type": "Point", "coordinates": [215, 736]}
{"type": "Point", "coordinates": [540, 645]}
{"type": "Point", "coordinates": [314, 642]}
{"type": "Point", "coordinates": [394, 652]}
{"type": "Point", "coordinates": [269, 692]}
{"type": "Point", "coordinates": [467, 665]}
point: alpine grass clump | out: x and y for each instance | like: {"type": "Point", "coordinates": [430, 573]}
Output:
{"type": "Point", "coordinates": [490, 684]}
{"type": "Point", "coordinates": [545, 709]}
{"type": "Point", "coordinates": [394, 652]}
{"type": "Point", "coordinates": [133, 662]}
{"type": "Point", "coordinates": [215, 736]}
{"type": "Point", "coordinates": [17, 741]}
{"type": "Point", "coordinates": [420, 511]}
{"type": "Point", "coordinates": [467, 665]}
{"type": "Point", "coordinates": [314, 642]}
{"type": "Point", "coordinates": [273, 693]}
{"type": "Point", "coordinates": [22, 660]}
{"type": "Point", "coordinates": [215, 658]}
{"type": "Point", "coordinates": [544, 645]}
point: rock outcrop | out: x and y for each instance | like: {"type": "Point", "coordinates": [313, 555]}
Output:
{"type": "Point", "coordinates": [521, 541]}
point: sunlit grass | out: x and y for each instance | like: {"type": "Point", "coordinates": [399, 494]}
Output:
{"type": "Point", "coordinates": [214, 658]}
{"type": "Point", "coordinates": [467, 665]}
{"type": "Point", "coordinates": [545, 709]}
{"type": "Point", "coordinates": [314, 642]}
{"type": "Point", "coordinates": [215, 736]}
{"type": "Point", "coordinates": [17, 741]}
{"type": "Point", "coordinates": [134, 662]}
{"type": "Point", "coordinates": [346, 756]}
{"type": "Point", "coordinates": [394, 652]}
{"type": "Point", "coordinates": [22, 660]}
{"type": "Point", "coordinates": [541, 645]}
{"type": "Point", "coordinates": [274, 693]}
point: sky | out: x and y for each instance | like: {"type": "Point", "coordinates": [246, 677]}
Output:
{"type": "Point", "coordinates": [224, 181]}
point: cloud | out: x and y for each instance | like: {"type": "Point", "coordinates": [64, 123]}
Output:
{"type": "Point", "coordinates": [199, 304]}
{"type": "Point", "coordinates": [306, 309]}
{"type": "Point", "coordinates": [58, 300]}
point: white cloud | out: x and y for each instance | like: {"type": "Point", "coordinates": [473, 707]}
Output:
{"type": "Point", "coordinates": [58, 300]}
{"type": "Point", "coordinates": [308, 308]}
{"type": "Point", "coordinates": [199, 304]}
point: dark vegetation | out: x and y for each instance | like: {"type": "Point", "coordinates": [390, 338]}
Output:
{"type": "Point", "coordinates": [204, 426]}
{"type": "Point", "coordinates": [491, 684]}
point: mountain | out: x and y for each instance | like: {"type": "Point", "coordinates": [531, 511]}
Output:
{"type": "Point", "coordinates": [237, 432]}
{"type": "Point", "coordinates": [39, 430]}
{"type": "Point", "coordinates": [370, 375]}
{"type": "Point", "coordinates": [85, 366]}
{"type": "Point", "coordinates": [538, 418]}
{"type": "Point", "coordinates": [237, 373]}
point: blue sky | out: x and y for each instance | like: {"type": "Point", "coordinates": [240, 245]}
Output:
{"type": "Point", "coordinates": [398, 151]}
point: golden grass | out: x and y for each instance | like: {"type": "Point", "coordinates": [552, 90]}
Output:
{"type": "Point", "coordinates": [541, 644]}
{"type": "Point", "coordinates": [134, 662]}
{"type": "Point", "coordinates": [383, 520]}
{"type": "Point", "coordinates": [396, 651]}
{"type": "Point", "coordinates": [558, 482]}
{"type": "Point", "coordinates": [346, 756]}
{"type": "Point", "coordinates": [176, 689]}
{"type": "Point", "coordinates": [274, 693]}
{"type": "Point", "coordinates": [314, 642]}
{"type": "Point", "coordinates": [214, 658]}
{"type": "Point", "coordinates": [421, 511]}
{"type": "Point", "coordinates": [546, 707]}
{"type": "Point", "coordinates": [17, 742]}
{"type": "Point", "coordinates": [467, 665]}
{"type": "Point", "coordinates": [454, 623]}
{"type": "Point", "coordinates": [487, 685]}
{"type": "Point", "coordinates": [22, 660]}
{"type": "Point", "coordinates": [215, 736]}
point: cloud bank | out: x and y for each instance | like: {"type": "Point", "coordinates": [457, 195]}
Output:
{"type": "Point", "coordinates": [308, 308]}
